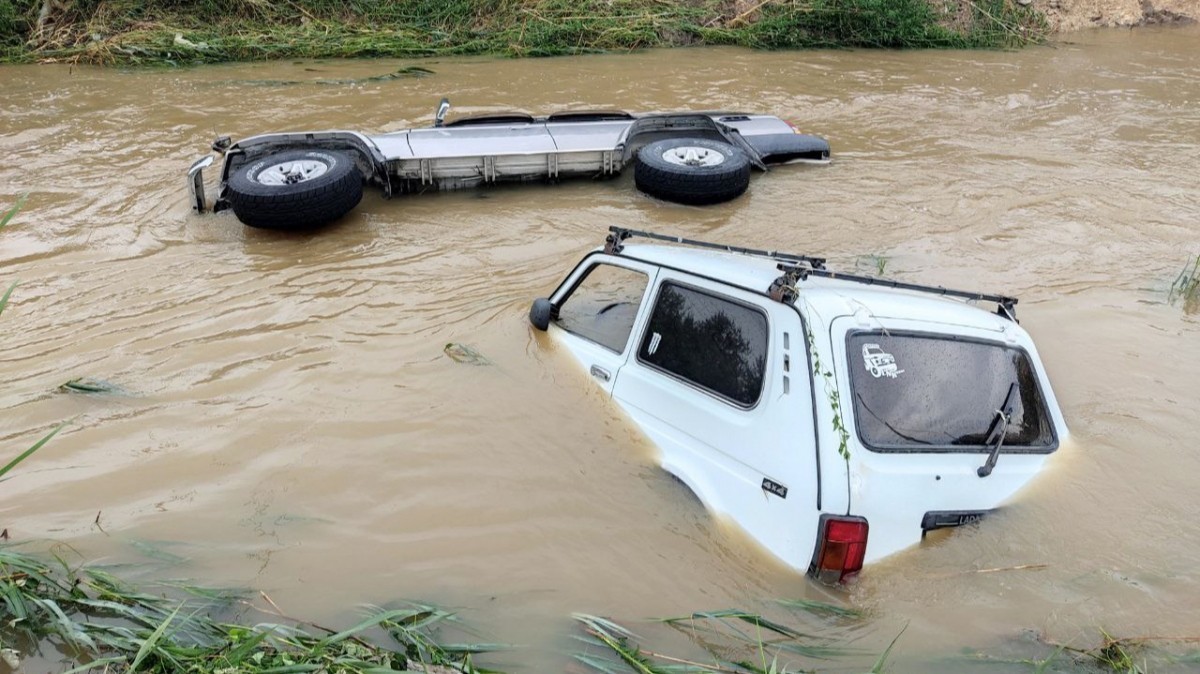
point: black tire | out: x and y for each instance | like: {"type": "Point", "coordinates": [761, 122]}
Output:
{"type": "Point", "coordinates": [304, 204]}
{"type": "Point", "coordinates": [703, 182]}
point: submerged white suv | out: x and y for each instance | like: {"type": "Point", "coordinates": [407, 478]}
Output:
{"type": "Point", "coordinates": [836, 418]}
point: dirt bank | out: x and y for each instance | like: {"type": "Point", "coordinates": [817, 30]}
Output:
{"type": "Point", "coordinates": [1068, 15]}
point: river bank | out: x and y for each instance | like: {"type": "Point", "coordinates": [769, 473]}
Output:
{"type": "Point", "coordinates": [207, 31]}
{"type": "Point", "coordinates": [1071, 15]}
{"type": "Point", "coordinates": [211, 31]}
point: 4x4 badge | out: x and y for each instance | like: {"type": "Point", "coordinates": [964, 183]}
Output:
{"type": "Point", "coordinates": [774, 487]}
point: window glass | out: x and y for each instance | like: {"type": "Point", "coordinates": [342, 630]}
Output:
{"type": "Point", "coordinates": [603, 306]}
{"type": "Point", "coordinates": [714, 343]}
{"type": "Point", "coordinates": [917, 392]}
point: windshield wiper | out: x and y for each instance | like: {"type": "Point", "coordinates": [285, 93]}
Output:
{"type": "Point", "coordinates": [1000, 428]}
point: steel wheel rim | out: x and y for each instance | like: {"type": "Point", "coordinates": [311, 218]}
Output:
{"type": "Point", "coordinates": [292, 172]}
{"type": "Point", "coordinates": [693, 155]}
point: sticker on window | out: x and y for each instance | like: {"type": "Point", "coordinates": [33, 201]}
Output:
{"type": "Point", "coordinates": [654, 342]}
{"type": "Point", "coordinates": [879, 362]}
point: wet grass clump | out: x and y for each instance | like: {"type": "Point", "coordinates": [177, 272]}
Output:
{"type": "Point", "coordinates": [735, 642]}
{"type": "Point", "coordinates": [101, 624]}
{"type": "Point", "coordinates": [1186, 288]}
{"type": "Point", "coordinates": [206, 31]}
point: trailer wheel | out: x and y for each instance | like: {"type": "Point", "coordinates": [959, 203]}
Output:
{"type": "Point", "coordinates": [295, 189]}
{"type": "Point", "coordinates": [691, 171]}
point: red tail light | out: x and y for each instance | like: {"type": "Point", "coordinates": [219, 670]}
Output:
{"type": "Point", "coordinates": [841, 548]}
{"type": "Point", "coordinates": [795, 129]}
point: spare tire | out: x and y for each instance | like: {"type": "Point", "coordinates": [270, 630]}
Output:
{"type": "Point", "coordinates": [295, 189]}
{"type": "Point", "coordinates": [691, 170]}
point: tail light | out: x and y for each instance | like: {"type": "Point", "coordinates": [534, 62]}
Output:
{"type": "Point", "coordinates": [795, 129]}
{"type": "Point", "coordinates": [841, 548]}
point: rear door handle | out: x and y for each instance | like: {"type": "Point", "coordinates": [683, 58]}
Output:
{"type": "Point", "coordinates": [600, 373]}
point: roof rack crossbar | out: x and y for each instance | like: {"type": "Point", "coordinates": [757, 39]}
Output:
{"type": "Point", "coordinates": [1006, 304]}
{"type": "Point", "coordinates": [619, 234]}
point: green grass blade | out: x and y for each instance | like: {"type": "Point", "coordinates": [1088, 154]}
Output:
{"type": "Point", "coordinates": [820, 608]}
{"type": "Point", "coordinates": [879, 664]}
{"type": "Point", "coordinates": [603, 625]}
{"type": "Point", "coordinates": [1044, 665]}
{"type": "Point", "coordinates": [630, 655]}
{"type": "Point", "coordinates": [149, 644]}
{"type": "Point", "coordinates": [8, 215]}
{"type": "Point", "coordinates": [26, 454]}
{"type": "Point", "coordinates": [105, 662]}
{"type": "Point", "coordinates": [473, 649]}
{"type": "Point", "coordinates": [7, 294]}
{"type": "Point", "coordinates": [157, 550]}
{"type": "Point", "coordinates": [243, 650]}
{"type": "Point", "coordinates": [368, 624]}
{"type": "Point", "coordinates": [600, 664]}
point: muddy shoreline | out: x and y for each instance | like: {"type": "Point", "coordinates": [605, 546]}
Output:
{"type": "Point", "coordinates": [1064, 16]}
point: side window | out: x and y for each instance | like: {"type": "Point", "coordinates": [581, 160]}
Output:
{"type": "Point", "coordinates": [715, 343]}
{"type": "Point", "coordinates": [603, 306]}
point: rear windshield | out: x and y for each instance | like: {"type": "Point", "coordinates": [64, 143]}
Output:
{"type": "Point", "coordinates": [928, 393]}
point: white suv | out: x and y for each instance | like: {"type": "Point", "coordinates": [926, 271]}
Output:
{"type": "Point", "coordinates": [813, 408]}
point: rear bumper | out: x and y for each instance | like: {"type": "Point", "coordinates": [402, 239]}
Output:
{"type": "Point", "coordinates": [790, 148]}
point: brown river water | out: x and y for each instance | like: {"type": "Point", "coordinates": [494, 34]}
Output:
{"type": "Point", "coordinates": [286, 419]}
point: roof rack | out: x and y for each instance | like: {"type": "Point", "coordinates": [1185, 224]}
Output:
{"type": "Point", "coordinates": [1006, 306]}
{"type": "Point", "coordinates": [617, 235]}
{"type": "Point", "coordinates": [799, 267]}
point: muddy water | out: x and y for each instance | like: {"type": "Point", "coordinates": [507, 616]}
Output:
{"type": "Point", "coordinates": [287, 420]}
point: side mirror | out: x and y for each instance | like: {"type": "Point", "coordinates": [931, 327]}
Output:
{"type": "Point", "coordinates": [541, 313]}
{"type": "Point", "coordinates": [439, 117]}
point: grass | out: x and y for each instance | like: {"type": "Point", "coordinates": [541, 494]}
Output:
{"type": "Point", "coordinates": [736, 642]}
{"type": "Point", "coordinates": [4, 221]}
{"type": "Point", "coordinates": [875, 261]}
{"type": "Point", "coordinates": [87, 385]}
{"type": "Point", "coordinates": [105, 625]}
{"type": "Point", "coordinates": [206, 31]}
{"type": "Point", "coordinates": [1186, 288]}
{"type": "Point", "coordinates": [92, 621]}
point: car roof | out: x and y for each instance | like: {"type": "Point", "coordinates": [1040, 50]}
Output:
{"type": "Point", "coordinates": [830, 297]}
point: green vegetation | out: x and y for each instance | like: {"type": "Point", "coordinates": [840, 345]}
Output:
{"type": "Point", "coordinates": [738, 642]}
{"type": "Point", "coordinates": [205, 31]}
{"type": "Point", "coordinates": [875, 262]}
{"type": "Point", "coordinates": [103, 624]}
{"type": "Point", "coordinates": [4, 220]}
{"type": "Point", "coordinates": [97, 622]}
{"type": "Point", "coordinates": [1186, 288]}
{"type": "Point", "coordinates": [92, 621]}
{"type": "Point", "coordinates": [88, 385]}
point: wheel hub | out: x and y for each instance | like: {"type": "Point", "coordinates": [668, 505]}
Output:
{"type": "Point", "coordinates": [292, 172]}
{"type": "Point", "coordinates": [693, 155]}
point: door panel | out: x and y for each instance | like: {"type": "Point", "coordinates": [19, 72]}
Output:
{"type": "Point", "coordinates": [599, 306]}
{"type": "Point", "coordinates": [717, 377]}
